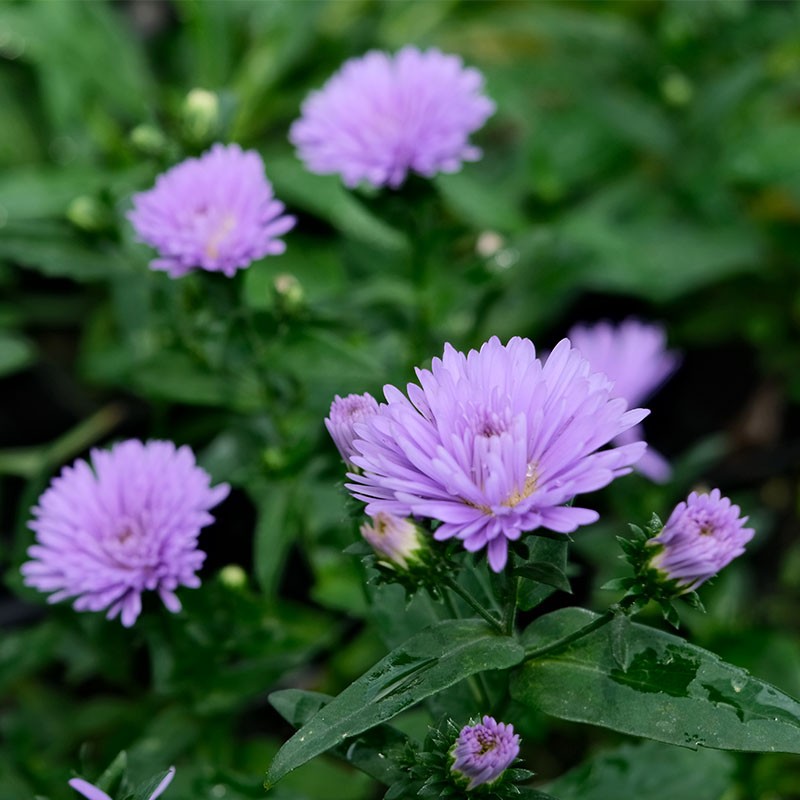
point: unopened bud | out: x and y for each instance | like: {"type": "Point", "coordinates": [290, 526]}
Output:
{"type": "Point", "coordinates": [289, 291]}
{"type": "Point", "coordinates": [233, 576]}
{"type": "Point", "coordinates": [200, 115]}
{"type": "Point", "coordinates": [88, 214]}
{"type": "Point", "coordinates": [395, 540]}
{"type": "Point", "coordinates": [148, 139]}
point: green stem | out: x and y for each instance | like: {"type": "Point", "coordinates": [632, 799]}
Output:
{"type": "Point", "coordinates": [511, 608]}
{"type": "Point", "coordinates": [477, 683]}
{"type": "Point", "coordinates": [456, 588]}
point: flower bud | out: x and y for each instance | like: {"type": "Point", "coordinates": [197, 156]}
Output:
{"type": "Point", "coordinates": [703, 535]}
{"type": "Point", "coordinates": [148, 139]}
{"type": "Point", "coordinates": [483, 752]}
{"type": "Point", "coordinates": [345, 413]}
{"type": "Point", "coordinates": [88, 214]}
{"type": "Point", "coordinates": [396, 541]}
{"type": "Point", "coordinates": [200, 115]}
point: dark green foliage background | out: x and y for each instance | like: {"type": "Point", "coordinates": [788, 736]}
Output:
{"type": "Point", "coordinates": [644, 159]}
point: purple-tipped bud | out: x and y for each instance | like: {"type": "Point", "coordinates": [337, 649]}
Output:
{"type": "Point", "coordinates": [702, 535]}
{"type": "Point", "coordinates": [483, 752]}
{"type": "Point", "coordinates": [394, 539]}
{"type": "Point", "coordinates": [346, 412]}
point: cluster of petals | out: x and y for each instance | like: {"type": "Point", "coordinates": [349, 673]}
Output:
{"type": "Point", "coordinates": [484, 751]}
{"type": "Point", "coordinates": [91, 792]}
{"type": "Point", "coordinates": [216, 212]}
{"type": "Point", "coordinates": [634, 356]}
{"type": "Point", "coordinates": [381, 116]}
{"type": "Point", "coordinates": [126, 523]}
{"type": "Point", "coordinates": [493, 444]}
{"type": "Point", "coordinates": [702, 536]}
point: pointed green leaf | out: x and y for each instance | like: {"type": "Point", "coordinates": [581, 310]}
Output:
{"type": "Point", "coordinates": [430, 661]}
{"type": "Point", "coordinates": [377, 755]}
{"type": "Point", "coordinates": [672, 691]}
{"type": "Point", "coordinates": [648, 769]}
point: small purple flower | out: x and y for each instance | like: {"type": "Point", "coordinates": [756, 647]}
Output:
{"type": "Point", "coordinates": [382, 115]}
{"type": "Point", "coordinates": [702, 535]}
{"type": "Point", "coordinates": [124, 524]}
{"type": "Point", "coordinates": [484, 751]}
{"type": "Point", "coordinates": [345, 413]}
{"type": "Point", "coordinates": [216, 212]}
{"type": "Point", "coordinates": [395, 540]}
{"type": "Point", "coordinates": [91, 792]}
{"type": "Point", "coordinates": [634, 356]}
{"type": "Point", "coordinates": [494, 444]}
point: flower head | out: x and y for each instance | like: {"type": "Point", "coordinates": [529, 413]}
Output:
{"type": "Point", "coordinates": [91, 792]}
{"type": "Point", "coordinates": [484, 751]}
{"type": "Point", "coordinates": [702, 535]}
{"type": "Point", "coordinates": [494, 444]}
{"type": "Point", "coordinates": [381, 116]}
{"type": "Point", "coordinates": [216, 212]}
{"type": "Point", "coordinates": [634, 356]}
{"type": "Point", "coordinates": [345, 414]}
{"type": "Point", "coordinates": [124, 524]}
{"type": "Point", "coordinates": [394, 539]}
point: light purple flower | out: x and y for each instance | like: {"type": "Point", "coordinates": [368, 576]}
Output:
{"type": "Point", "coordinates": [345, 413]}
{"type": "Point", "coordinates": [216, 212]}
{"type": "Point", "coordinates": [494, 444]}
{"type": "Point", "coordinates": [634, 356]}
{"type": "Point", "coordinates": [484, 751]}
{"type": "Point", "coordinates": [382, 115]}
{"type": "Point", "coordinates": [124, 524]}
{"type": "Point", "coordinates": [702, 535]}
{"type": "Point", "coordinates": [91, 792]}
{"type": "Point", "coordinates": [394, 539]}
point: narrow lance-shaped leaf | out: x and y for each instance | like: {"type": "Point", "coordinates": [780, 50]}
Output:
{"type": "Point", "coordinates": [376, 754]}
{"type": "Point", "coordinates": [430, 661]}
{"type": "Point", "coordinates": [671, 691]}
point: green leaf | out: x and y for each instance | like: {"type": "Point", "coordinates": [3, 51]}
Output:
{"type": "Point", "coordinates": [16, 352]}
{"type": "Point", "coordinates": [377, 754]}
{"type": "Point", "coordinates": [434, 659]}
{"type": "Point", "coordinates": [648, 769]}
{"type": "Point", "coordinates": [546, 566]}
{"type": "Point", "coordinates": [144, 791]}
{"type": "Point", "coordinates": [325, 196]}
{"type": "Point", "coordinates": [672, 691]}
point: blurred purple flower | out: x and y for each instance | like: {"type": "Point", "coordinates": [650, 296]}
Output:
{"type": "Point", "coordinates": [484, 751]}
{"type": "Point", "coordinates": [216, 212]}
{"type": "Point", "coordinates": [91, 792]}
{"type": "Point", "coordinates": [395, 540]}
{"type": "Point", "coordinates": [382, 115]}
{"type": "Point", "coordinates": [345, 413]}
{"type": "Point", "coordinates": [125, 524]}
{"type": "Point", "coordinates": [634, 356]}
{"type": "Point", "coordinates": [702, 535]}
{"type": "Point", "coordinates": [494, 444]}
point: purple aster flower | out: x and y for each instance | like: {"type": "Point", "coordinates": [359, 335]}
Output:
{"type": "Point", "coordinates": [634, 356]}
{"type": "Point", "coordinates": [345, 413]}
{"type": "Point", "coordinates": [91, 792]}
{"type": "Point", "coordinates": [126, 523]}
{"type": "Point", "coordinates": [494, 444]}
{"type": "Point", "coordinates": [216, 212]}
{"type": "Point", "coordinates": [395, 540]}
{"type": "Point", "coordinates": [702, 535]}
{"type": "Point", "coordinates": [484, 751]}
{"type": "Point", "coordinates": [380, 116]}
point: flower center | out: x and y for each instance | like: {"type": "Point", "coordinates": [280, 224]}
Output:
{"type": "Point", "coordinates": [528, 488]}
{"type": "Point", "coordinates": [218, 235]}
